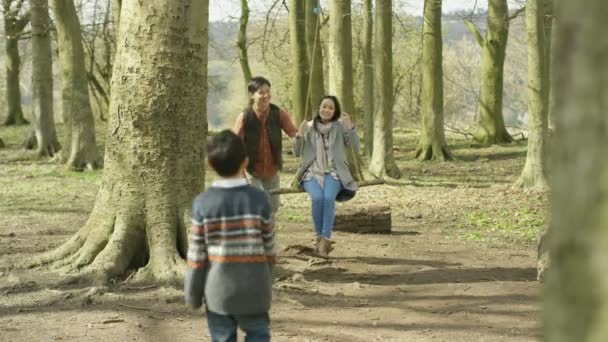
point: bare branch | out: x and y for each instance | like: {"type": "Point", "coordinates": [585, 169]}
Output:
{"type": "Point", "coordinates": [474, 30]}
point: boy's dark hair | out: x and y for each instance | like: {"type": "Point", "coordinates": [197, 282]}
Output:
{"type": "Point", "coordinates": [226, 152]}
{"type": "Point", "coordinates": [337, 109]}
{"type": "Point", "coordinates": [257, 83]}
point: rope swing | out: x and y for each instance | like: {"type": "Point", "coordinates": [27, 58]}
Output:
{"type": "Point", "coordinates": [355, 168]}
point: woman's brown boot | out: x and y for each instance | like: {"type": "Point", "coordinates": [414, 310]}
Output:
{"type": "Point", "coordinates": [324, 247]}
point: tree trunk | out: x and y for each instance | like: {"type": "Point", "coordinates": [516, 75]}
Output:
{"type": "Point", "coordinates": [154, 158]}
{"type": "Point", "coordinates": [314, 54]}
{"type": "Point", "coordinates": [241, 44]}
{"type": "Point", "coordinates": [491, 126]}
{"type": "Point", "coordinates": [42, 75]}
{"type": "Point", "coordinates": [341, 69]}
{"type": "Point", "coordinates": [13, 26]}
{"type": "Point", "coordinates": [575, 294]}
{"type": "Point", "coordinates": [534, 172]}
{"type": "Point", "coordinates": [432, 145]}
{"type": "Point", "coordinates": [368, 76]}
{"type": "Point", "coordinates": [297, 34]}
{"type": "Point", "coordinates": [2, 144]}
{"type": "Point", "coordinates": [341, 54]}
{"type": "Point", "coordinates": [116, 7]}
{"type": "Point", "coordinates": [79, 149]}
{"type": "Point", "coordinates": [383, 161]}
{"type": "Point", "coordinates": [549, 37]}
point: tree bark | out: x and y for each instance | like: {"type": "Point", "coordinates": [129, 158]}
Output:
{"type": "Point", "coordinates": [383, 161]}
{"type": "Point", "coordinates": [13, 26]}
{"type": "Point", "coordinates": [79, 149]}
{"type": "Point", "coordinates": [432, 145]}
{"type": "Point", "coordinates": [154, 158]}
{"type": "Point", "coordinates": [340, 54]}
{"type": "Point", "coordinates": [297, 34]}
{"type": "Point", "coordinates": [314, 54]}
{"type": "Point", "coordinates": [42, 74]}
{"type": "Point", "coordinates": [368, 76]}
{"type": "Point", "coordinates": [534, 172]}
{"type": "Point", "coordinates": [575, 293]}
{"type": "Point", "coordinates": [241, 44]}
{"type": "Point", "coordinates": [491, 126]}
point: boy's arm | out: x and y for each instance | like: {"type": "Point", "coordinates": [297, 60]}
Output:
{"type": "Point", "coordinates": [194, 282]}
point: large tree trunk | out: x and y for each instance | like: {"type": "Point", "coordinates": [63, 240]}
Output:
{"type": "Point", "coordinates": [45, 135]}
{"type": "Point", "coordinates": [241, 44]}
{"type": "Point", "coordinates": [383, 161]}
{"type": "Point", "coordinates": [314, 53]}
{"type": "Point", "coordinates": [154, 159]}
{"type": "Point", "coordinates": [491, 126]}
{"type": "Point", "coordinates": [79, 149]}
{"type": "Point", "coordinates": [13, 26]}
{"type": "Point", "coordinates": [534, 172]}
{"type": "Point", "coordinates": [340, 54]}
{"type": "Point", "coordinates": [297, 34]}
{"type": "Point", "coordinates": [432, 145]}
{"type": "Point", "coordinates": [368, 76]}
{"type": "Point", "coordinates": [576, 304]}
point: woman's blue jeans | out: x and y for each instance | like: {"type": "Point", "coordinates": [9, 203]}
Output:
{"type": "Point", "coordinates": [323, 203]}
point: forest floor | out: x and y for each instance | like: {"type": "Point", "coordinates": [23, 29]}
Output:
{"type": "Point", "coordinates": [458, 266]}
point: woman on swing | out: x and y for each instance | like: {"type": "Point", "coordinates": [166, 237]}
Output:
{"type": "Point", "coordinates": [323, 173]}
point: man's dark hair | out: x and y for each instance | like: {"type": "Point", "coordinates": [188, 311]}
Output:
{"type": "Point", "coordinates": [256, 83]}
{"type": "Point", "coordinates": [226, 152]}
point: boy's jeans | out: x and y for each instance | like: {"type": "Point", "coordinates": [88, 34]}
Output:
{"type": "Point", "coordinates": [223, 328]}
{"type": "Point", "coordinates": [323, 203]}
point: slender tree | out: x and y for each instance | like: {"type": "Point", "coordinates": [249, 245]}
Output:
{"type": "Point", "coordinates": [534, 172]}
{"type": "Point", "coordinates": [116, 7]}
{"type": "Point", "coordinates": [432, 145]}
{"type": "Point", "coordinates": [575, 288]}
{"type": "Point", "coordinates": [490, 126]}
{"type": "Point", "coordinates": [297, 35]}
{"type": "Point", "coordinates": [314, 53]}
{"type": "Point", "coordinates": [79, 149]}
{"type": "Point", "coordinates": [368, 76]}
{"type": "Point", "coordinates": [340, 54]}
{"type": "Point", "coordinates": [241, 44]}
{"type": "Point", "coordinates": [383, 161]}
{"type": "Point", "coordinates": [154, 157]}
{"type": "Point", "coordinates": [45, 136]}
{"type": "Point", "coordinates": [14, 24]}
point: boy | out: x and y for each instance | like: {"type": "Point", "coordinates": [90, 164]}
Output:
{"type": "Point", "coordinates": [231, 251]}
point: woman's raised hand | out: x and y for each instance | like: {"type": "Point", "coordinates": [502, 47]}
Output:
{"type": "Point", "coordinates": [346, 121]}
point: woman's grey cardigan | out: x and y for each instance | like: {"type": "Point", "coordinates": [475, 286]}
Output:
{"type": "Point", "coordinates": [344, 138]}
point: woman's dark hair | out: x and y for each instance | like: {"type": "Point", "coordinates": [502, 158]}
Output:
{"type": "Point", "coordinates": [337, 110]}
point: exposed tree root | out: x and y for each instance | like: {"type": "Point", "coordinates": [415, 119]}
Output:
{"type": "Point", "coordinates": [110, 244]}
{"type": "Point", "coordinates": [433, 152]}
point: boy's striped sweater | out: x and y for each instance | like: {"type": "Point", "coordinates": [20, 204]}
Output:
{"type": "Point", "coordinates": [231, 249]}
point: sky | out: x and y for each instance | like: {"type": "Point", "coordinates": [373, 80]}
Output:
{"type": "Point", "coordinates": [221, 10]}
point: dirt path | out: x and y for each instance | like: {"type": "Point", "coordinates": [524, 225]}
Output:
{"type": "Point", "coordinates": [409, 286]}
